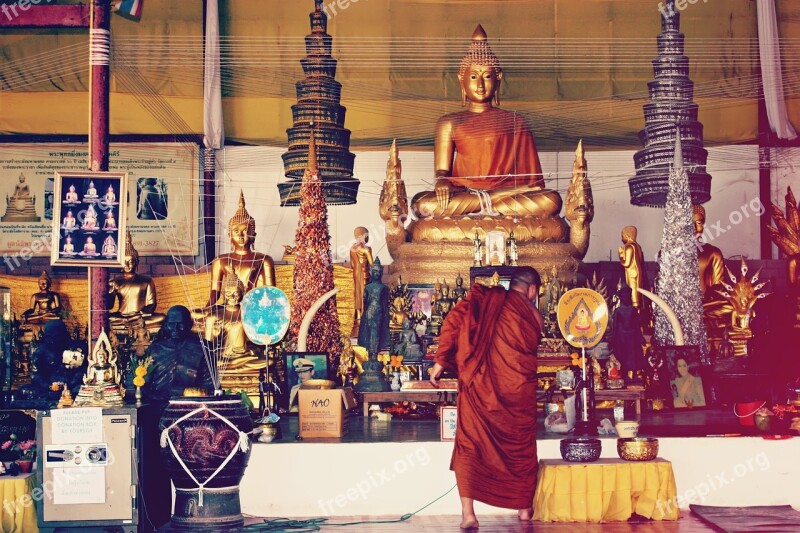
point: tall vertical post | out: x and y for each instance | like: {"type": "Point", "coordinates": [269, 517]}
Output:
{"type": "Point", "coordinates": [99, 86]}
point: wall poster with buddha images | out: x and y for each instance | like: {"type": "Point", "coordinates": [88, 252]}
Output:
{"type": "Point", "coordinates": [88, 218]}
{"type": "Point", "coordinates": [161, 207]}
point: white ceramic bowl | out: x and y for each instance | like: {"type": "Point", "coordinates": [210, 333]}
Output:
{"type": "Point", "coordinates": [627, 429]}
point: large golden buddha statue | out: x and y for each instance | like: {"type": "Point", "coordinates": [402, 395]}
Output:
{"type": "Point", "coordinates": [485, 158]}
{"type": "Point", "coordinates": [488, 177]}
{"type": "Point", "coordinates": [135, 295]}
{"type": "Point", "coordinates": [254, 269]}
{"type": "Point", "coordinates": [21, 206]}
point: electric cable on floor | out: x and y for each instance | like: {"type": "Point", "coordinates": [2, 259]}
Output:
{"type": "Point", "coordinates": [315, 524]}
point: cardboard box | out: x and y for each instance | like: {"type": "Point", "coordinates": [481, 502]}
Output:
{"type": "Point", "coordinates": [323, 412]}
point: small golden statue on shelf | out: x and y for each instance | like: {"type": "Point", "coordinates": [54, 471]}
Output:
{"type": "Point", "coordinates": [101, 384]}
{"type": "Point", "coordinates": [360, 261]}
{"type": "Point", "coordinates": [631, 258]}
{"type": "Point", "coordinates": [135, 295]}
{"type": "Point", "coordinates": [742, 294]}
{"type": "Point", "coordinates": [66, 398]}
{"type": "Point", "coordinates": [45, 304]}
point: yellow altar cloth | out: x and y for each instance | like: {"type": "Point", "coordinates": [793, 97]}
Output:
{"type": "Point", "coordinates": [18, 512]}
{"type": "Point", "coordinates": [607, 490]}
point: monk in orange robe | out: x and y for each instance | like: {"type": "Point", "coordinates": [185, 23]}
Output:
{"type": "Point", "coordinates": [490, 339]}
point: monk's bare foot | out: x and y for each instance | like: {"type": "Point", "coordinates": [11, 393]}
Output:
{"type": "Point", "coordinates": [469, 522]}
{"type": "Point", "coordinates": [525, 514]}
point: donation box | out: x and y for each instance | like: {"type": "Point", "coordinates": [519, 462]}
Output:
{"type": "Point", "coordinates": [323, 412]}
{"type": "Point", "coordinates": [87, 468]}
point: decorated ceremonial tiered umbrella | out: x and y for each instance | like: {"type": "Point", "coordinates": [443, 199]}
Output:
{"type": "Point", "coordinates": [671, 94]}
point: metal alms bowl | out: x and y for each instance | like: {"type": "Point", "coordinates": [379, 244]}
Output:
{"type": "Point", "coordinates": [637, 449]}
{"type": "Point", "coordinates": [581, 450]}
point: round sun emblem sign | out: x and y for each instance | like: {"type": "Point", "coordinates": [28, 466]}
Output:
{"type": "Point", "coordinates": [582, 317]}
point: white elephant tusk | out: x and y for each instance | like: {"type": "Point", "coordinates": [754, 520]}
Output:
{"type": "Point", "coordinates": [673, 320]}
{"type": "Point", "coordinates": [302, 335]}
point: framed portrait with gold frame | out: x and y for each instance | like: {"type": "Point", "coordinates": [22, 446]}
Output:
{"type": "Point", "coordinates": [89, 218]}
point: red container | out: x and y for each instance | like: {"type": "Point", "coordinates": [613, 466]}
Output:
{"type": "Point", "coordinates": [746, 412]}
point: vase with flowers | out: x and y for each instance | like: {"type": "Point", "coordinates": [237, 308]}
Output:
{"type": "Point", "coordinates": [140, 376]}
{"type": "Point", "coordinates": [21, 452]}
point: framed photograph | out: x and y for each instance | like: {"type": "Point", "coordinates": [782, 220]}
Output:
{"type": "Point", "coordinates": [89, 218]}
{"type": "Point", "coordinates": [422, 296]}
{"type": "Point", "coordinates": [300, 367]}
{"type": "Point", "coordinates": [683, 370]}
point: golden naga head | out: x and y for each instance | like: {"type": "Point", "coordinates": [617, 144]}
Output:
{"type": "Point", "coordinates": [742, 293]}
{"type": "Point", "coordinates": [480, 62]}
{"type": "Point", "coordinates": [242, 217]}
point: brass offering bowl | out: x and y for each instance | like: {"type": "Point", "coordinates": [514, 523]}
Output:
{"type": "Point", "coordinates": [637, 449]}
{"type": "Point", "coordinates": [581, 449]}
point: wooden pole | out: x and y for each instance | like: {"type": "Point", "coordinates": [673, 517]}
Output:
{"type": "Point", "coordinates": [99, 88]}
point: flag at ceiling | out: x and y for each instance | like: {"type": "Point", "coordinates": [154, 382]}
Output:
{"type": "Point", "coordinates": [128, 8]}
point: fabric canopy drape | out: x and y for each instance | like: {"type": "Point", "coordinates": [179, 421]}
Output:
{"type": "Point", "coordinates": [771, 71]}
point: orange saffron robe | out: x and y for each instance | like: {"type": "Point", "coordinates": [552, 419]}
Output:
{"type": "Point", "coordinates": [496, 144]}
{"type": "Point", "coordinates": [490, 339]}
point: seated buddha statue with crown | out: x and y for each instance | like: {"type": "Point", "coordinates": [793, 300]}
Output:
{"type": "Point", "coordinates": [486, 164]}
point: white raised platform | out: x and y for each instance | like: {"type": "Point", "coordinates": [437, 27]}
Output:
{"type": "Point", "coordinates": [306, 479]}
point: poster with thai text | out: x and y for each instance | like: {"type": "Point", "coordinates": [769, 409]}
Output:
{"type": "Point", "coordinates": [162, 194]}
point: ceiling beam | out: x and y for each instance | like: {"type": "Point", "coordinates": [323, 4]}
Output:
{"type": "Point", "coordinates": [34, 16]}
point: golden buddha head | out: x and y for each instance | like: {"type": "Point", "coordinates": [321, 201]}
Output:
{"type": "Point", "coordinates": [131, 255]}
{"type": "Point", "coordinates": [22, 178]}
{"type": "Point", "coordinates": [44, 281]}
{"type": "Point", "coordinates": [242, 226]}
{"type": "Point", "coordinates": [699, 218]}
{"type": "Point", "coordinates": [361, 234]}
{"type": "Point", "coordinates": [629, 234]}
{"type": "Point", "coordinates": [480, 72]}
{"type": "Point", "coordinates": [233, 290]}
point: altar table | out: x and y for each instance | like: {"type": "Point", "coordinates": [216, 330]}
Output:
{"type": "Point", "coordinates": [411, 395]}
{"type": "Point", "coordinates": [18, 512]}
{"type": "Point", "coordinates": [607, 490]}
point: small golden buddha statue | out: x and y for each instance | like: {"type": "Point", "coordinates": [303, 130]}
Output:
{"type": "Point", "coordinates": [90, 219]}
{"type": "Point", "coordinates": [45, 304]}
{"type": "Point", "coordinates": [109, 247]}
{"type": "Point", "coordinates": [135, 295]}
{"type": "Point", "coordinates": [360, 261]}
{"type": "Point", "coordinates": [110, 223]}
{"type": "Point", "coordinates": [69, 222]}
{"type": "Point", "coordinates": [110, 196]}
{"type": "Point", "coordinates": [69, 247]}
{"type": "Point", "coordinates": [89, 248]}
{"type": "Point", "coordinates": [71, 196]}
{"type": "Point", "coordinates": [709, 257]}
{"type": "Point", "coordinates": [101, 384]}
{"type": "Point", "coordinates": [91, 193]}
{"type": "Point", "coordinates": [631, 258]}
{"type": "Point", "coordinates": [21, 206]}
{"type": "Point", "coordinates": [224, 331]}
{"type": "Point", "coordinates": [254, 269]}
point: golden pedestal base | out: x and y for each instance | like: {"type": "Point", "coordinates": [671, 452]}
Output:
{"type": "Point", "coordinates": [424, 263]}
{"type": "Point", "coordinates": [526, 229]}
